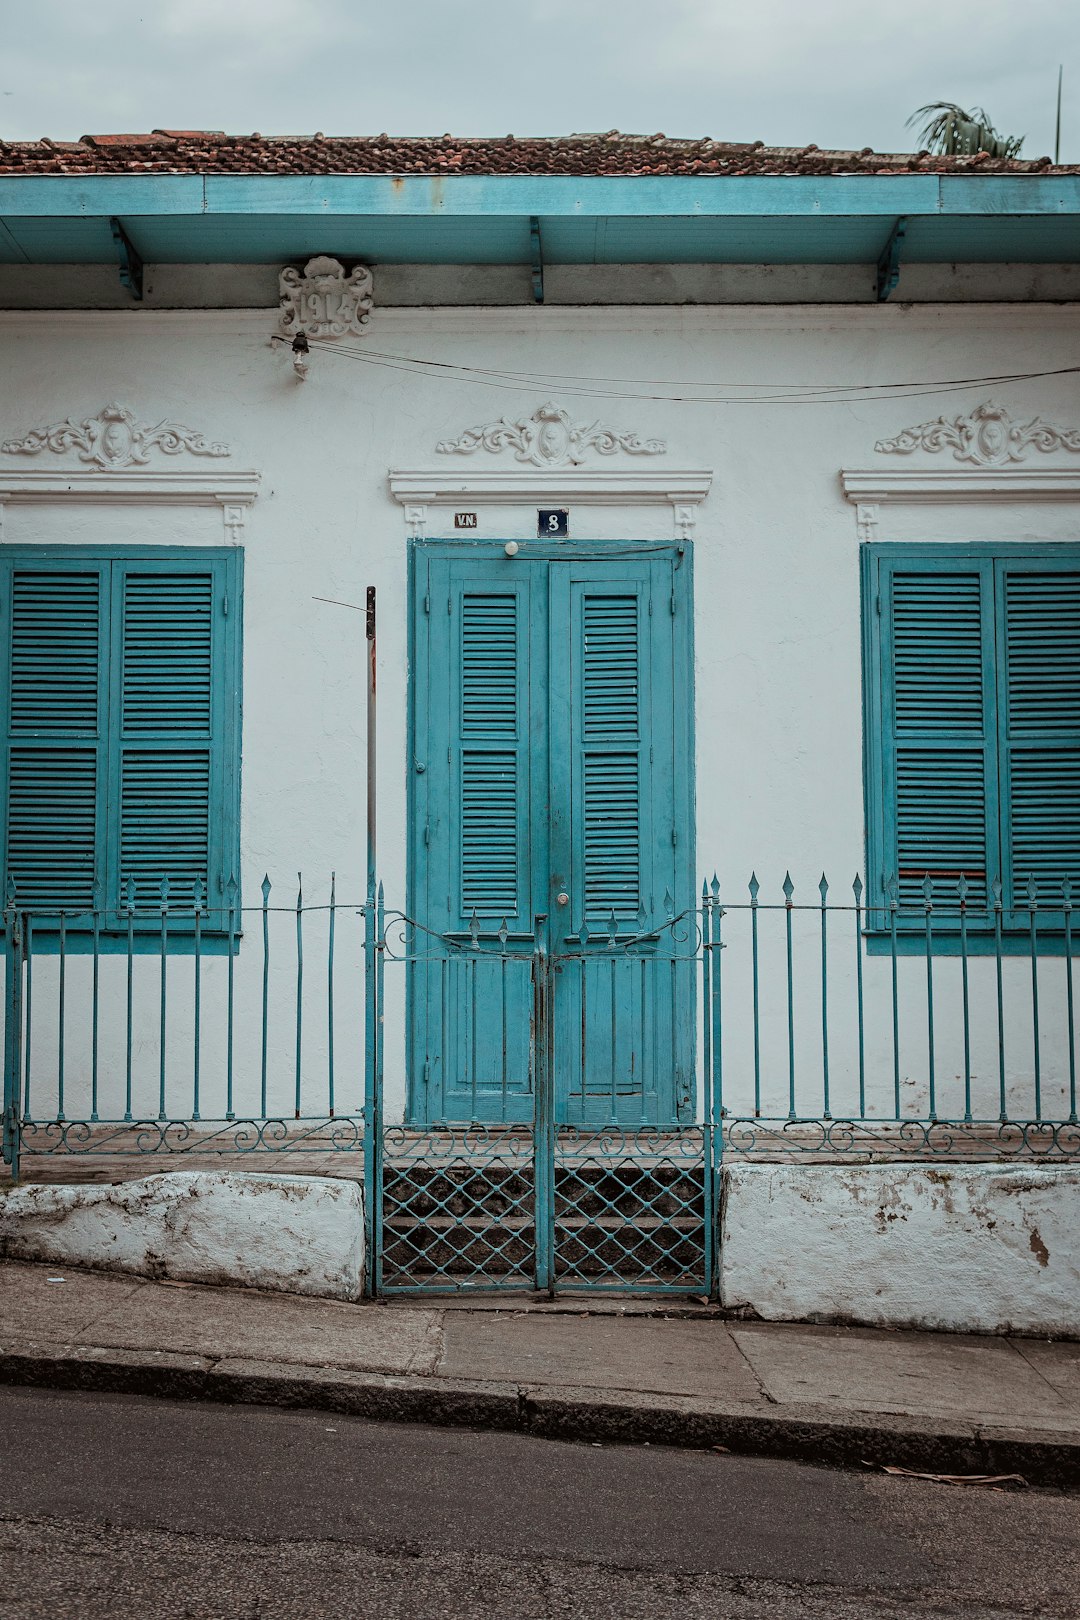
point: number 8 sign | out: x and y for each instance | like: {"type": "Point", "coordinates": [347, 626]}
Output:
{"type": "Point", "coordinates": [554, 525]}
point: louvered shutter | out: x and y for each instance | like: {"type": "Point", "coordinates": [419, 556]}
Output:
{"type": "Point", "coordinates": [611, 735]}
{"type": "Point", "coordinates": [489, 676]}
{"type": "Point", "coordinates": [1039, 610]}
{"type": "Point", "coordinates": [939, 729]}
{"type": "Point", "coordinates": [169, 787]}
{"type": "Point", "coordinates": [55, 743]}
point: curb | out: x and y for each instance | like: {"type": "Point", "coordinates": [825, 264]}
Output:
{"type": "Point", "coordinates": [798, 1433]}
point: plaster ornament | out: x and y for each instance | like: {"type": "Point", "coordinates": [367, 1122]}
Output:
{"type": "Point", "coordinates": [321, 301]}
{"type": "Point", "coordinates": [549, 438]}
{"type": "Point", "coordinates": [113, 439]}
{"type": "Point", "coordinates": [987, 437]}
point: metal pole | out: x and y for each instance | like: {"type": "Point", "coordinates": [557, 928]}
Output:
{"type": "Point", "coordinates": [372, 1123]}
{"type": "Point", "coordinates": [371, 878]}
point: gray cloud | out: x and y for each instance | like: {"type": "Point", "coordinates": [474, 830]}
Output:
{"type": "Point", "coordinates": [835, 72]}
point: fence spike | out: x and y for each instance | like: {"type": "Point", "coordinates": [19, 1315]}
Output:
{"type": "Point", "coordinates": [613, 928]}
{"type": "Point", "coordinates": [704, 889]}
{"type": "Point", "coordinates": [962, 889]}
{"type": "Point", "coordinates": [1066, 892]}
{"type": "Point", "coordinates": [1032, 893]}
{"type": "Point", "coordinates": [928, 892]}
{"type": "Point", "coordinates": [231, 888]}
{"type": "Point", "coordinates": [788, 887]}
{"type": "Point", "coordinates": [583, 931]}
{"type": "Point", "coordinates": [474, 927]}
{"type": "Point", "coordinates": [823, 887]}
{"type": "Point", "coordinates": [299, 891]}
{"type": "Point", "coordinates": [164, 891]}
{"type": "Point", "coordinates": [266, 887]}
{"type": "Point", "coordinates": [503, 933]}
{"type": "Point", "coordinates": [129, 895]}
{"type": "Point", "coordinates": [857, 888]}
{"type": "Point", "coordinates": [197, 894]}
{"type": "Point", "coordinates": [995, 890]}
{"type": "Point", "coordinates": [333, 888]}
{"type": "Point", "coordinates": [715, 886]}
{"type": "Point", "coordinates": [755, 888]}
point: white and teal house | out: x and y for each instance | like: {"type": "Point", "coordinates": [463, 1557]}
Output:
{"type": "Point", "coordinates": [539, 655]}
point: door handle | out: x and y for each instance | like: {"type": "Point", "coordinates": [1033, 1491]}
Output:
{"type": "Point", "coordinates": [562, 898]}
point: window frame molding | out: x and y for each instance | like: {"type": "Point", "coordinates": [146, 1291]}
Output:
{"type": "Point", "coordinates": [112, 934]}
{"type": "Point", "coordinates": [1015, 937]}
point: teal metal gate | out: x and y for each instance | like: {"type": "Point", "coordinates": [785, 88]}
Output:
{"type": "Point", "coordinates": [517, 1196]}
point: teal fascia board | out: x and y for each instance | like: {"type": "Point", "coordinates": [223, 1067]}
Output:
{"type": "Point", "coordinates": [558, 195]}
{"type": "Point", "coordinates": [478, 219]}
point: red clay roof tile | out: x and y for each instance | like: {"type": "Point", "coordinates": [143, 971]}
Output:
{"type": "Point", "coordinates": [210, 151]}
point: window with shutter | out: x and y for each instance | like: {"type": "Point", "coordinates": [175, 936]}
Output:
{"type": "Point", "coordinates": [972, 730]}
{"type": "Point", "coordinates": [120, 756]}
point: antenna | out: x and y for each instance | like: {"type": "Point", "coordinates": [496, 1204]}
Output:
{"type": "Point", "coordinates": [1057, 127]}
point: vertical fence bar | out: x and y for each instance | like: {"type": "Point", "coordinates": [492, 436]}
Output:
{"type": "Point", "coordinates": [11, 1132]}
{"type": "Point", "coordinates": [755, 887]}
{"type": "Point", "coordinates": [197, 900]}
{"type": "Point", "coordinates": [716, 1001]}
{"type": "Point", "coordinates": [330, 997]}
{"type": "Point", "coordinates": [962, 891]}
{"type": "Point", "coordinates": [94, 1000]}
{"type": "Point", "coordinates": [789, 890]}
{"type": "Point", "coordinates": [614, 1000]}
{"type": "Point", "coordinates": [995, 889]}
{"type": "Point", "coordinates": [299, 989]}
{"type": "Point", "coordinates": [1033, 906]}
{"type": "Point", "coordinates": [892, 891]}
{"type": "Point", "coordinates": [164, 1001]}
{"type": "Point", "coordinates": [544, 1113]}
{"type": "Point", "coordinates": [706, 1019]}
{"type": "Point", "coordinates": [13, 1009]}
{"type": "Point", "coordinates": [1066, 894]}
{"type": "Point", "coordinates": [503, 936]}
{"type": "Point", "coordinates": [823, 888]}
{"type": "Point", "coordinates": [28, 1009]}
{"type": "Point", "coordinates": [62, 1016]}
{"type": "Point", "coordinates": [230, 1015]}
{"type": "Point", "coordinates": [857, 891]}
{"type": "Point", "coordinates": [129, 907]}
{"type": "Point", "coordinates": [266, 887]}
{"type": "Point", "coordinates": [928, 909]}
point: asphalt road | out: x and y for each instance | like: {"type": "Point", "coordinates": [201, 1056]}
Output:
{"type": "Point", "coordinates": [128, 1509]}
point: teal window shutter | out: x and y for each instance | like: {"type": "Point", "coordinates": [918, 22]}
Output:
{"type": "Point", "coordinates": [121, 758]}
{"type": "Point", "coordinates": [492, 748]}
{"type": "Point", "coordinates": [1039, 620]}
{"type": "Point", "coordinates": [972, 726]}
{"type": "Point", "coordinates": [55, 751]}
{"type": "Point", "coordinates": [611, 733]}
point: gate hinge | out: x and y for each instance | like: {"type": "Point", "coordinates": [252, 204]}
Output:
{"type": "Point", "coordinates": [674, 836]}
{"type": "Point", "coordinates": [427, 601]}
{"type": "Point", "coordinates": [225, 605]}
{"type": "Point", "coordinates": [673, 604]}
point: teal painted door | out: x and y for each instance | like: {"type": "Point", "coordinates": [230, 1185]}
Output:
{"type": "Point", "coordinates": [550, 766]}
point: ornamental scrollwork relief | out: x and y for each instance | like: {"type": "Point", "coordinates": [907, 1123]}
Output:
{"type": "Point", "coordinates": [322, 301]}
{"type": "Point", "coordinates": [549, 438]}
{"type": "Point", "coordinates": [114, 439]}
{"type": "Point", "coordinates": [987, 437]}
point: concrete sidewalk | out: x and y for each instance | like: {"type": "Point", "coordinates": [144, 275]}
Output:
{"type": "Point", "coordinates": [604, 1371]}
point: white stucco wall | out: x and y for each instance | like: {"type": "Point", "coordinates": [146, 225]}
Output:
{"type": "Point", "coordinates": [778, 662]}
{"type": "Point", "coordinates": [297, 1234]}
{"type": "Point", "coordinates": [961, 1248]}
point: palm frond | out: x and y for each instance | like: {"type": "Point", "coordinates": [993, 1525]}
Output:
{"type": "Point", "coordinates": [950, 131]}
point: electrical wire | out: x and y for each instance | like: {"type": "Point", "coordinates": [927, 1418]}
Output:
{"type": "Point", "coordinates": [824, 394]}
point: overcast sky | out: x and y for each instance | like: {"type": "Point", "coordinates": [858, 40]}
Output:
{"type": "Point", "coordinates": [840, 73]}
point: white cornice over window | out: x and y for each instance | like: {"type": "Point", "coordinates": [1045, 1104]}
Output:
{"type": "Point", "coordinates": [543, 463]}
{"type": "Point", "coordinates": [120, 465]}
{"type": "Point", "coordinates": [682, 490]}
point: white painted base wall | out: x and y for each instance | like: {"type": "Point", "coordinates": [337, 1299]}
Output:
{"type": "Point", "coordinates": [957, 1248]}
{"type": "Point", "coordinates": [297, 1234]}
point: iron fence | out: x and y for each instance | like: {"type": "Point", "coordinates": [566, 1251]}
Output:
{"type": "Point", "coordinates": [825, 1027]}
